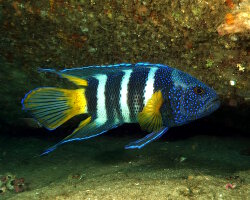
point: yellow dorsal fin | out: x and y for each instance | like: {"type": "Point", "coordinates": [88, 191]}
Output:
{"type": "Point", "coordinates": [150, 118]}
{"type": "Point", "coordinates": [75, 80]}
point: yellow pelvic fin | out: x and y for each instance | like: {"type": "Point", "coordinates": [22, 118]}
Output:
{"type": "Point", "coordinates": [75, 80]}
{"type": "Point", "coordinates": [150, 118]}
{"type": "Point", "coordinates": [54, 106]}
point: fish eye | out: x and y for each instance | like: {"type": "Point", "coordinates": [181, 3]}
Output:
{"type": "Point", "coordinates": [198, 90]}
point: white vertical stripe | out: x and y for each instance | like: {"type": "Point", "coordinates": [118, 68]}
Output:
{"type": "Point", "coordinates": [100, 95]}
{"type": "Point", "coordinates": [124, 95]}
{"type": "Point", "coordinates": [149, 88]}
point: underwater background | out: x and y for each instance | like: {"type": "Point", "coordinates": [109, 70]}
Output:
{"type": "Point", "coordinates": [206, 159]}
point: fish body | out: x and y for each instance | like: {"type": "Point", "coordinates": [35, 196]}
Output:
{"type": "Point", "coordinates": [155, 96]}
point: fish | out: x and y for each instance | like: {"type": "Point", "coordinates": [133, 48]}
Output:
{"type": "Point", "coordinates": [156, 96]}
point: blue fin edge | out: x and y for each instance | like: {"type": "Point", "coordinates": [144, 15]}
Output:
{"type": "Point", "coordinates": [49, 150]}
{"type": "Point", "coordinates": [140, 146]}
{"type": "Point", "coordinates": [102, 66]}
{"type": "Point", "coordinates": [115, 65]}
{"type": "Point", "coordinates": [26, 109]}
{"type": "Point", "coordinates": [50, 71]}
{"type": "Point", "coordinates": [71, 140]}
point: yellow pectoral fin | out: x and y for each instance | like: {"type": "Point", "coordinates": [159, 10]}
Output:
{"type": "Point", "coordinates": [150, 118]}
{"type": "Point", "coordinates": [75, 80]}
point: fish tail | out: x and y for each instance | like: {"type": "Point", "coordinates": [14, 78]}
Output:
{"type": "Point", "coordinates": [51, 107]}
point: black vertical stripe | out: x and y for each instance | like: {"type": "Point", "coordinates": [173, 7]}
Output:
{"type": "Point", "coordinates": [162, 78]}
{"type": "Point", "coordinates": [136, 87]}
{"type": "Point", "coordinates": [91, 96]}
{"type": "Point", "coordinates": [112, 95]}
{"type": "Point", "coordinates": [163, 82]}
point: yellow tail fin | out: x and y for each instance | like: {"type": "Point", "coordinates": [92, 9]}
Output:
{"type": "Point", "coordinates": [54, 106]}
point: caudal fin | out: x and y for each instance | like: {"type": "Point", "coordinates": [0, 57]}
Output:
{"type": "Point", "coordinates": [53, 106]}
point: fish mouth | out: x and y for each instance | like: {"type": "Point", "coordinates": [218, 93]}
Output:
{"type": "Point", "coordinates": [213, 105]}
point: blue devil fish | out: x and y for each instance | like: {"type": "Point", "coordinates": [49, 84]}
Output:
{"type": "Point", "coordinates": [155, 96]}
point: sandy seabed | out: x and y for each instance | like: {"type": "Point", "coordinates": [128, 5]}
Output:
{"type": "Point", "coordinates": [196, 168]}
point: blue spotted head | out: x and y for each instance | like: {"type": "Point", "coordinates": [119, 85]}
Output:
{"type": "Point", "coordinates": [190, 99]}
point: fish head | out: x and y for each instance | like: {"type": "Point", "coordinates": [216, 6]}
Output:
{"type": "Point", "coordinates": [190, 98]}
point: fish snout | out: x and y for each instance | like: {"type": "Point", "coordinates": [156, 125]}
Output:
{"type": "Point", "coordinates": [213, 104]}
